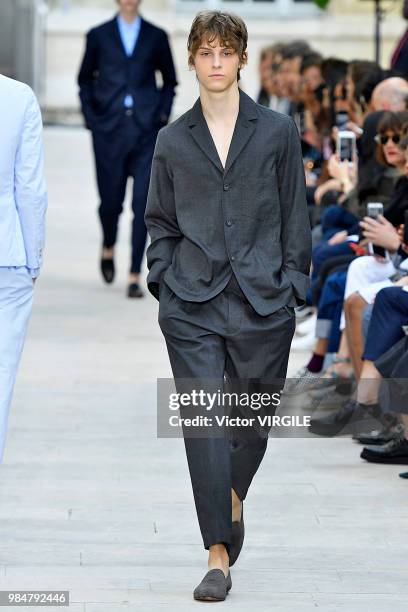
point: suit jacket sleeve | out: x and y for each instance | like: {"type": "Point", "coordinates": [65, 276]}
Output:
{"type": "Point", "coordinates": [296, 233]}
{"type": "Point", "coordinates": [86, 77]}
{"type": "Point", "coordinates": [165, 65]}
{"type": "Point", "coordinates": [29, 185]}
{"type": "Point", "coordinates": [160, 217]}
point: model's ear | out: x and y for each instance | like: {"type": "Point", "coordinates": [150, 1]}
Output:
{"type": "Point", "coordinates": [244, 59]}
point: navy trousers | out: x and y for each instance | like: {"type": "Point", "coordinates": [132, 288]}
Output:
{"type": "Point", "coordinates": [390, 312]}
{"type": "Point", "coordinates": [127, 152]}
{"type": "Point", "coordinates": [205, 340]}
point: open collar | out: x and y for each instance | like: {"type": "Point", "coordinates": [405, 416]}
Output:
{"type": "Point", "coordinates": [244, 128]}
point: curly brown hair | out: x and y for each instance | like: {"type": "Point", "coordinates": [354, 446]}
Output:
{"type": "Point", "coordinates": [228, 28]}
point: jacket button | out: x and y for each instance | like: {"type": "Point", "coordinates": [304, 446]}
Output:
{"type": "Point", "coordinates": [228, 222]}
{"type": "Point", "coordinates": [232, 258]}
{"type": "Point", "coordinates": [226, 187]}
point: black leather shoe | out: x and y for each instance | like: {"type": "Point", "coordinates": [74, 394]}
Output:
{"type": "Point", "coordinates": [237, 537]}
{"type": "Point", "coordinates": [351, 418]}
{"type": "Point", "coordinates": [379, 437]}
{"type": "Point", "coordinates": [108, 269]}
{"type": "Point", "coordinates": [214, 586]}
{"type": "Point", "coordinates": [395, 452]}
{"type": "Point", "coordinates": [134, 291]}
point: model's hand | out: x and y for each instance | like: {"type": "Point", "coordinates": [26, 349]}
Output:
{"type": "Point", "coordinates": [381, 232]}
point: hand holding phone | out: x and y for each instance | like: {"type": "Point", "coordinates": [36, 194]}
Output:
{"type": "Point", "coordinates": [373, 210]}
{"type": "Point", "coordinates": [346, 146]}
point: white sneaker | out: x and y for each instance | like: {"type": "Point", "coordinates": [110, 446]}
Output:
{"type": "Point", "coordinates": [306, 326]}
{"type": "Point", "coordinates": [300, 382]}
{"type": "Point", "coordinates": [304, 343]}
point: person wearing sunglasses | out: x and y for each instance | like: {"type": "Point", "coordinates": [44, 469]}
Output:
{"type": "Point", "coordinates": [383, 139]}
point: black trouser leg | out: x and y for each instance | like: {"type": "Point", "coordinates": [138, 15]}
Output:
{"type": "Point", "coordinates": [111, 173]}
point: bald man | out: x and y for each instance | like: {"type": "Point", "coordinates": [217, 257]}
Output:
{"type": "Point", "coordinates": [391, 94]}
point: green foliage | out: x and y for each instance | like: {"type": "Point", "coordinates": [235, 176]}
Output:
{"type": "Point", "coordinates": [322, 3]}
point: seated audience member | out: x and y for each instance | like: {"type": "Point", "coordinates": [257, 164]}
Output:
{"type": "Point", "coordinates": [389, 314]}
{"type": "Point", "coordinates": [360, 273]}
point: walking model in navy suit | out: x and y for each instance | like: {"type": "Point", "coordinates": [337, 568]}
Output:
{"type": "Point", "coordinates": [124, 108]}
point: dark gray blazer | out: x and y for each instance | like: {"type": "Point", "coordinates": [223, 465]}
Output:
{"type": "Point", "coordinates": [252, 216]}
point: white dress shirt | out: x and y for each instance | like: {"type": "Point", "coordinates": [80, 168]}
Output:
{"type": "Point", "coordinates": [129, 33]}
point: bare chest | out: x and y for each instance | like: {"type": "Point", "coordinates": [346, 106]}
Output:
{"type": "Point", "coordinates": [222, 136]}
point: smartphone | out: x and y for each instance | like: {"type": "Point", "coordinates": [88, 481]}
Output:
{"type": "Point", "coordinates": [373, 210]}
{"type": "Point", "coordinates": [405, 237]}
{"type": "Point", "coordinates": [346, 146]}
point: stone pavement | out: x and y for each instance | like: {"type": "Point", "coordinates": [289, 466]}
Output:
{"type": "Point", "coordinates": [92, 502]}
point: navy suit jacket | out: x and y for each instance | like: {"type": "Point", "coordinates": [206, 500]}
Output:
{"type": "Point", "coordinates": [107, 75]}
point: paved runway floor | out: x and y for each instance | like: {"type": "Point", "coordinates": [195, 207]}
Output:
{"type": "Point", "coordinates": [92, 502]}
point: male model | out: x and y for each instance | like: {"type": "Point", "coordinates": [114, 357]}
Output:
{"type": "Point", "coordinates": [23, 202]}
{"type": "Point", "coordinates": [229, 259]}
{"type": "Point", "coordinates": [124, 108]}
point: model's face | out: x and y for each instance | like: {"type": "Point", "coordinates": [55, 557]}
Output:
{"type": "Point", "coordinates": [216, 66]}
{"type": "Point", "coordinates": [129, 6]}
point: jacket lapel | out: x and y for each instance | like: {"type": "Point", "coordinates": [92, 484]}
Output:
{"type": "Point", "coordinates": [202, 135]}
{"type": "Point", "coordinates": [140, 38]}
{"type": "Point", "coordinates": [244, 128]}
{"type": "Point", "coordinates": [118, 40]}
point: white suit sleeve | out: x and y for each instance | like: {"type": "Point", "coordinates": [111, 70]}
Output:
{"type": "Point", "coordinates": [29, 184]}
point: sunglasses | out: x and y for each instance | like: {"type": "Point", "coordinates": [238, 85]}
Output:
{"type": "Point", "coordinates": [384, 138]}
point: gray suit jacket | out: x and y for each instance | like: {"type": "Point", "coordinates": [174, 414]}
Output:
{"type": "Point", "coordinates": [251, 216]}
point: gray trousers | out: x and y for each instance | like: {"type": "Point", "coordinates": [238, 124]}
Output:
{"type": "Point", "coordinates": [205, 340]}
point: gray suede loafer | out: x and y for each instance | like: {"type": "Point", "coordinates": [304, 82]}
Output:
{"type": "Point", "coordinates": [214, 586]}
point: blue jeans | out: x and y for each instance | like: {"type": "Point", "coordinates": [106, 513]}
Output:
{"type": "Point", "coordinates": [330, 309]}
{"type": "Point", "coordinates": [390, 312]}
{"type": "Point", "coordinates": [321, 253]}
